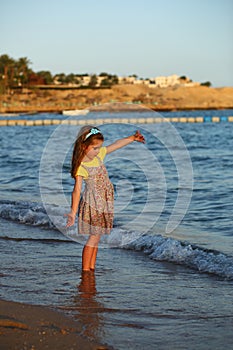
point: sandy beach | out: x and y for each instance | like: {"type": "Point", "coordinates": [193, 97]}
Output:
{"type": "Point", "coordinates": [27, 327]}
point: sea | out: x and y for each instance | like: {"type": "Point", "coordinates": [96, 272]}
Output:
{"type": "Point", "coordinates": [164, 277]}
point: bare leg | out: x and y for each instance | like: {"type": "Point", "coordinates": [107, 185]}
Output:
{"type": "Point", "coordinates": [93, 258]}
{"type": "Point", "coordinates": [90, 253]}
{"type": "Point", "coordinates": [86, 257]}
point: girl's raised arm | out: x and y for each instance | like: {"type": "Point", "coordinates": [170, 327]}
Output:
{"type": "Point", "coordinates": [125, 141]}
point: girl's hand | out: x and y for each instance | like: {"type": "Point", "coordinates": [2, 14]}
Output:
{"type": "Point", "coordinates": [70, 219]}
{"type": "Point", "coordinates": [139, 137]}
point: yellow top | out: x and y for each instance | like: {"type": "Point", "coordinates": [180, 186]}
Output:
{"type": "Point", "coordinates": [93, 163]}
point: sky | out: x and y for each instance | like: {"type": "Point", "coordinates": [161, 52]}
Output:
{"type": "Point", "coordinates": [148, 38]}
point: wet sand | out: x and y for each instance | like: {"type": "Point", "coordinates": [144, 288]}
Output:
{"type": "Point", "coordinates": [32, 327]}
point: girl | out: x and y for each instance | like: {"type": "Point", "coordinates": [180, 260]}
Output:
{"type": "Point", "coordinates": [95, 216]}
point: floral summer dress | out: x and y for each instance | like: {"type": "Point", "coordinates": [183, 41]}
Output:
{"type": "Point", "coordinates": [97, 202]}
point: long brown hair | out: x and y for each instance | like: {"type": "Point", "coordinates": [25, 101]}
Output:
{"type": "Point", "coordinates": [81, 145]}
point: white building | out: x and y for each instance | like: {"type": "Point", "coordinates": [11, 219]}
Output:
{"type": "Point", "coordinates": [160, 81]}
{"type": "Point", "coordinates": [171, 80]}
{"type": "Point", "coordinates": [85, 80]}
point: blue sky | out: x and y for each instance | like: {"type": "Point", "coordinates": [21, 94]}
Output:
{"type": "Point", "coordinates": [148, 38]}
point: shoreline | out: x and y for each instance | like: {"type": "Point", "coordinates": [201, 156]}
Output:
{"type": "Point", "coordinates": [30, 111]}
{"type": "Point", "coordinates": [25, 326]}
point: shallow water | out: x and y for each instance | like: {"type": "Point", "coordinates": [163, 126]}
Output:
{"type": "Point", "coordinates": [131, 301]}
{"type": "Point", "coordinates": [159, 289]}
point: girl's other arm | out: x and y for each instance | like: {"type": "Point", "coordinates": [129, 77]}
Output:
{"type": "Point", "coordinates": [125, 141]}
{"type": "Point", "coordinates": [75, 201]}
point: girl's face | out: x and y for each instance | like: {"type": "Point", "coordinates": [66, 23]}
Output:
{"type": "Point", "coordinates": [93, 149]}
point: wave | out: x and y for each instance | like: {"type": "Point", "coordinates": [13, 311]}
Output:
{"type": "Point", "coordinates": [24, 212]}
{"type": "Point", "coordinates": [40, 240]}
{"type": "Point", "coordinates": [203, 260]}
{"type": "Point", "coordinates": [157, 247]}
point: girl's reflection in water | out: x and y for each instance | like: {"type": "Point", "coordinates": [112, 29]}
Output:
{"type": "Point", "coordinates": [89, 309]}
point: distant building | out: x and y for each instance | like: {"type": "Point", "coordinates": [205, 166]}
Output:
{"type": "Point", "coordinates": [170, 80]}
{"type": "Point", "coordinates": [85, 81]}
{"type": "Point", "coordinates": [161, 81]}
{"type": "Point", "coordinates": [127, 80]}
{"type": "Point", "coordinates": [191, 84]}
{"type": "Point", "coordinates": [103, 80]}
{"type": "Point", "coordinates": [35, 79]}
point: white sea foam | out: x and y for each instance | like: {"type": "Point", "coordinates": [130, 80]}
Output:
{"type": "Point", "coordinates": [157, 247]}
{"type": "Point", "coordinates": [25, 213]}
{"type": "Point", "coordinates": [168, 249]}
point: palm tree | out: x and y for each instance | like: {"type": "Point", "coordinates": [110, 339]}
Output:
{"type": "Point", "coordinates": [23, 70]}
{"type": "Point", "coordinates": [7, 65]}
